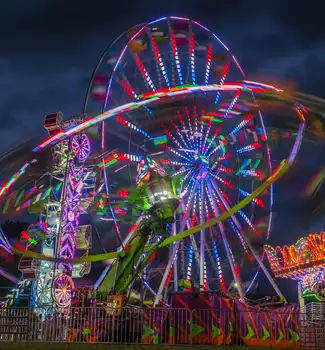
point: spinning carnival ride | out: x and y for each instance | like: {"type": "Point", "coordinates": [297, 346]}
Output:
{"type": "Point", "coordinates": [170, 106]}
{"type": "Point", "coordinates": [303, 261]}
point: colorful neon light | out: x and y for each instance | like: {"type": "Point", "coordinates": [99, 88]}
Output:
{"type": "Point", "coordinates": [139, 104]}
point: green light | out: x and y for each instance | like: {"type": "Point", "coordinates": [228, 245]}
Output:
{"type": "Point", "coordinates": [308, 293]}
{"type": "Point", "coordinates": [204, 159]}
{"type": "Point", "coordinates": [213, 142]}
{"type": "Point", "coordinates": [212, 118]}
{"type": "Point", "coordinates": [222, 146]}
{"type": "Point", "coordinates": [58, 186]}
{"type": "Point", "coordinates": [244, 165]}
{"type": "Point", "coordinates": [257, 163]}
{"type": "Point", "coordinates": [19, 198]}
{"type": "Point", "coordinates": [32, 241]}
{"type": "Point", "coordinates": [111, 162]}
{"type": "Point", "coordinates": [66, 156]}
{"type": "Point", "coordinates": [6, 206]}
{"type": "Point", "coordinates": [47, 193]}
{"type": "Point", "coordinates": [160, 140]}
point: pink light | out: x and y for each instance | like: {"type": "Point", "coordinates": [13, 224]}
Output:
{"type": "Point", "coordinates": [175, 52]}
{"type": "Point", "coordinates": [20, 246]}
{"type": "Point", "coordinates": [225, 196]}
{"type": "Point", "coordinates": [192, 46]}
{"type": "Point", "coordinates": [180, 18]}
{"type": "Point", "coordinates": [159, 59]}
{"type": "Point", "coordinates": [259, 202]}
{"type": "Point", "coordinates": [263, 85]}
{"type": "Point", "coordinates": [144, 72]}
{"type": "Point", "coordinates": [207, 70]}
{"type": "Point", "coordinates": [224, 169]}
{"type": "Point", "coordinates": [129, 90]}
{"type": "Point", "coordinates": [238, 65]}
{"type": "Point", "coordinates": [250, 147]}
{"type": "Point", "coordinates": [225, 182]}
{"type": "Point", "coordinates": [123, 193]}
{"type": "Point", "coordinates": [180, 117]}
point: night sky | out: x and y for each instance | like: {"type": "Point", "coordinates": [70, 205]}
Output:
{"type": "Point", "coordinates": [48, 50]}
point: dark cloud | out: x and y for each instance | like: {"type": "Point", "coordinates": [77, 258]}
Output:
{"type": "Point", "coordinates": [48, 49]}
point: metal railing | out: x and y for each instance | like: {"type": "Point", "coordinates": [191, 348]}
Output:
{"type": "Point", "coordinates": [165, 326]}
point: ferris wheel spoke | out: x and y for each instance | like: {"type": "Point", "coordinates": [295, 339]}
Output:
{"type": "Point", "coordinates": [195, 247]}
{"type": "Point", "coordinates": [202, 235]}
{"type": "Point", "coordinates": [146, 77]}
{"type": "Point", "coordinates": [212, 141]}
{"type": "Point", "coordinates": [245, 218]}
{"type": "Point", "coordinates": [223, 181]}
{"type": "Point", "coordinates": [217, 257]}
{"type": "Point", "coordinates": [159, 61]}
{"type": "Point", "coordinates": [226, 199]}
{"type": "Point", "coordinates": [192, 132]}
{"type": "Point", "coordinates": [197, 135]}
{"type": "Point", "coordinates": [179, 172]}
{"type": "Point", "coordinates": [155, 55]}
{"type": "Point", "coordinates": [222, 80]}
{"type": "Point", "coordinates": [171, 136]}
{"type": "Point", "coordinates": [130, 92]}
{"type": "Point", "coordinates": [251, 147]}
{"type": "Point", "coordinates": [124, 82]}
{"type": "Point", "coordinates": [189, 225]}
{"type": "Point", "coordinates": [188, 205]}
{"type": "Point", "coordinates": [247, 241]}
{"type": "Point", "coordinates": [192, 55]}
{"type": "Point", "coordinates": [171, 150]}
{"type": "Point", "coordinates": [206, 136]}
{"type": "Point", "coordinates": [226, 245]}
{"type": "Point", "coordinates": [208, 64]}
{"type": "Point", "coordinates": [175, 53]}
{"type": "Point", "coordinates": [243, 123]}
{"type": "Point", "coordinates": [166, 273]}
{"type": "Point", "coordinates": [116, 225]}
{"type": "Point", "coordinates": [221, 146]}
{"type": "Point", "coordinates": [256, 200]}
{"type": "Point", "coordinates": [242, 241]}
{"type": "Point", "coordinates": [212, 262]}
{"type": "Point", "coordinates": [132, 126]}
{"type": "Point", "coordinates": [232, 103]}
{"type": "Point", "coordinates": [179, 134]}
{"type": "Point", "coordinates": [184, 131]}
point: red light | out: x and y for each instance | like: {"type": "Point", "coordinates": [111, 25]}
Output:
{"type": "Point", "coordinates": [25, 235]}
{"type": "Point", "coordinates": [218, 129]}
{"type": "Point", "coordinates": [121, 120]}
{"type": "Point", "coordinates": [20, 246]}
{"type": "Point", "coordinates": [133, 228]}
{"type": "Point", "coordinates": [123, 193]}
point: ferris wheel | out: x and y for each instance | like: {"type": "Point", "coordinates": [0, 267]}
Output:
{"type": "Point", "coordinates": [213, 139]}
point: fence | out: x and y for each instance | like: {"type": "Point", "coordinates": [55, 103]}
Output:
{"type": "Point", "coordinates": [161, 326]}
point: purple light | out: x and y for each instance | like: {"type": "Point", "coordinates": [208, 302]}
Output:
{"type": "Point", "coordinates": [71, 208]}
